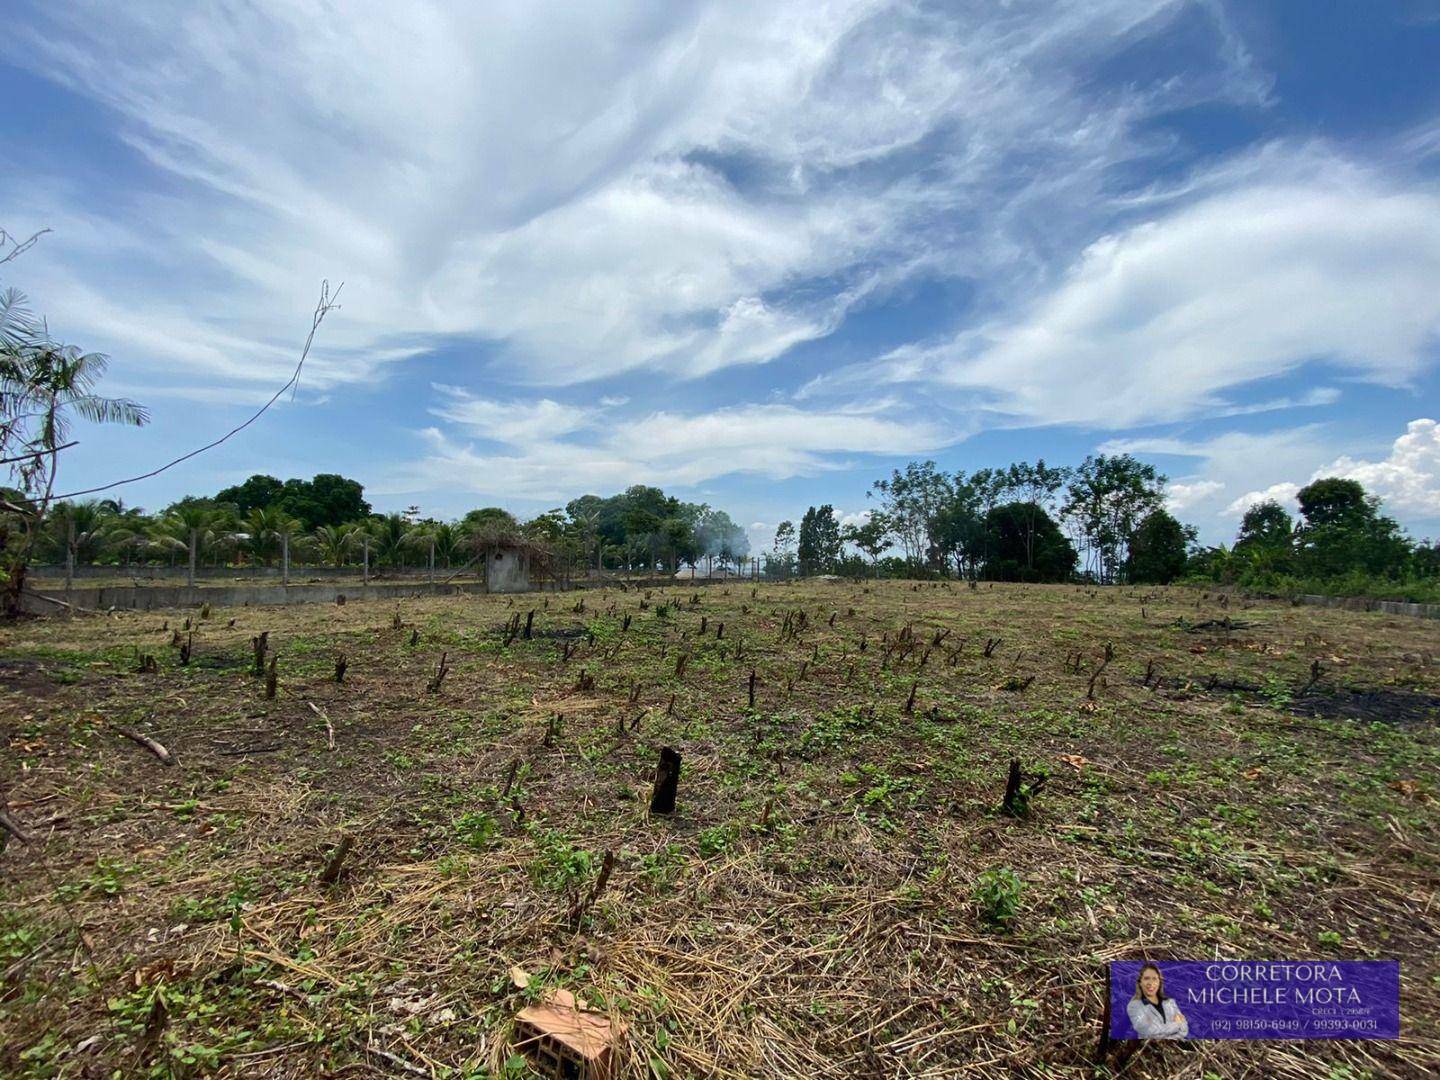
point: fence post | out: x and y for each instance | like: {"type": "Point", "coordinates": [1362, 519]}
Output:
{"type": "Point", "coordinates": [365, 573]}
{"type": "Point", "coordinates": [69, 556]}
{"type": "Point", "coordinates": [285, 559]}
{"type": "Point", "coordinates": [432, 563]}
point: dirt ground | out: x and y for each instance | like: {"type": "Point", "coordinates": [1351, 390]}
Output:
{"type": "Point", "coordinates": [837, 893]}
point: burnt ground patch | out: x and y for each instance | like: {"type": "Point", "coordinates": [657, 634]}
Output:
{"type": "Point", "coordinates": [1385, 706]}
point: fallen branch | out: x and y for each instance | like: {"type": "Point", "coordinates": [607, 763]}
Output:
{"type": "Point", "coordinates": [11, 826]}
{"type": "Point", "coordinates": [329, 727]}
{"type": "Point", "coordinates": [147, 742]}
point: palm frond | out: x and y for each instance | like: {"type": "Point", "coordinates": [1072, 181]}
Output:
{"type": "Point", "coordinates": [103, 410]}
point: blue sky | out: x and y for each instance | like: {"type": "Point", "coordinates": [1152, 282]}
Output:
{"type": "Point", "coordinates": [757, 254]}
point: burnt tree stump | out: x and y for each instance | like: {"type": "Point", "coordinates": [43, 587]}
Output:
{"type": "Point", "coordinates": [667, 782]}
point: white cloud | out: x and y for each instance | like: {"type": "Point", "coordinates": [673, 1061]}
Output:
{"type": "Point", "coordinates": [1283, 493]}
{"type": "Point", "coordinates": [667, 449]}
{"type": "Point", "coordinates": [1237, 470]}
{"type": "Point", "coordinates": [563, 180]}
{"type": "Point", "coordinates": [1159, 322]}
{"type": "Point", "coordinates": [1181, 496]}
{"type": "Point", "coordinates": [510, 422]}
{"type": "Point", "coordinates": [1225, 466]}
{"type": "Point", "coordinates": [1407, 479]}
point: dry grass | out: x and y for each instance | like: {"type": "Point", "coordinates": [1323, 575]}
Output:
{"type": "Point", "coordinates": [1207, 810]}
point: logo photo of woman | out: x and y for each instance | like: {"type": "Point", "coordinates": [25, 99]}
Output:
{"type": "Point", "coordinates": [1152, 1014]}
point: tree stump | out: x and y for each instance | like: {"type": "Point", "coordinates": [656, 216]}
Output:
{"type": "Point", "coordinates": [667, 782]}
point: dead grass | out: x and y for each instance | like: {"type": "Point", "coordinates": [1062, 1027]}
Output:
{"type": "Point", "coordinates": [1209, 809]}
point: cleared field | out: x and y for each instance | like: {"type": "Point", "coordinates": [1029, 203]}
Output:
{"type": "Point", "coordinates": [838, 893]}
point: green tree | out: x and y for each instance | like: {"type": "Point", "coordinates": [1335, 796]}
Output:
{"type": "Point", "coordinates": [259, 492]}
{"type": "Point", "coordinates": [1265, 545]}
{"type": "Point", "coordinates": [1026, 545]}
{"type": "Point", "coordinates": [912, 501]}
{"type": "Point", "coordinates": [78, 529]}
{"type": "Point", "coordinates": [488, 517]}
{"type": "Point", "coordinates": [1107, 498]}
{"type": "Point", "coordinates": [391, 537]}
{"type": "Point", "coordinates": [1159, 549]}
{"type": "Point", "coordinates": [872, 537]}
{"type": "Point", "coordinates": [960, 535]}
{"type": "Point", "coordinates": [336, 500]}
{"type": "Point", "coordinates": [338, 543]}
{"type": "Point", "coordinates": [1334, 501]}
{"type": "Point", "coordinates": [189, 529]}
{"type": "Point", "coordinates": [1035, 487]}
{"type": "Point", "coordinates": [820, 542]}
{"type": "Point", "coordinates": [1344, 533]}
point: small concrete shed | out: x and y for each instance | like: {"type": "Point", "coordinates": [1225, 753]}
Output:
{"type": "Point", "coordinates": [507, 568]}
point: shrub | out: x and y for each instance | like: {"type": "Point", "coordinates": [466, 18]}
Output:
{"type": "Point", "coordinates": [997, 896]}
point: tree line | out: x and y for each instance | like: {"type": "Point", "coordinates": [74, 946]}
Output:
{"type": "Point", "coordinates": [326, 520]}
{"type": "Point", "coordinates": [1105, 521]}
{"type": "Point", "coordinates": [1340, 544]}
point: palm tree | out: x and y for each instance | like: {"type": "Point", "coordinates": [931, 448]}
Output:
{"type": "Point", "coordinates": [78, 531]}
{"type": "Point", "coordinates": [260, 530]}
{"type": "Point", "coordinates": [43, 385]}
{"type": "Point", "coordinates": [129, 536]}
{"type": "Point", "coordinates": [190, 529]}
{"type": "Point", "coordinates": [288, 529]}
{"type": "Point", "coordinates": [392, 536]}
{"type": "Point", "coordinates": [337, 542]}
{"type": "Point", "coordinates": [447, 542]}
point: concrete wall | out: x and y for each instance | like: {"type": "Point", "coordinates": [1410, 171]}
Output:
{"type": "Point", "coordinates": [238, 573]}
{"type": "Point", "coordinates": [1349, 603]}
{"type": "Point", "coordinates": [1362, 603]}
{"type": "Point", "coordinates": [508, 571]}
{"type": "Point", "coordinates": [153, 597]}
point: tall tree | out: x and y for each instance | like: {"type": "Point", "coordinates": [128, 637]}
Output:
{"type": "Point", "coordinates": [1264, 546]}
{"type": "Point", "coordinates": [960, 534]}
{"type": "Point", "coordinates": [807, 553]}
{"type": "Point", "coordinates": [1026, 545]}
{"type": "Point", "coordinates": [1158, 549]}
{"type": "Point", "coordinates": [820, 542]}
{"type": "Point", "coordinates": [1035, 487]}
{"type": "Point", "coordinates": [391, 536]}
{"type": "Point", "coordinates": [912, 501]}
{"type": "Point", "coordinates": [1108, 497]}
{"type": "Point", "coordinates": [1332, 500]}
{"type": "Point", "coordinates": [872, 537]}
{"type": "Point", "coordinates": [259, 492]}
{"type": "Point", "coordinates": [338, 543]}
{"type": "Point", "coordinates": [1344, 532]}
